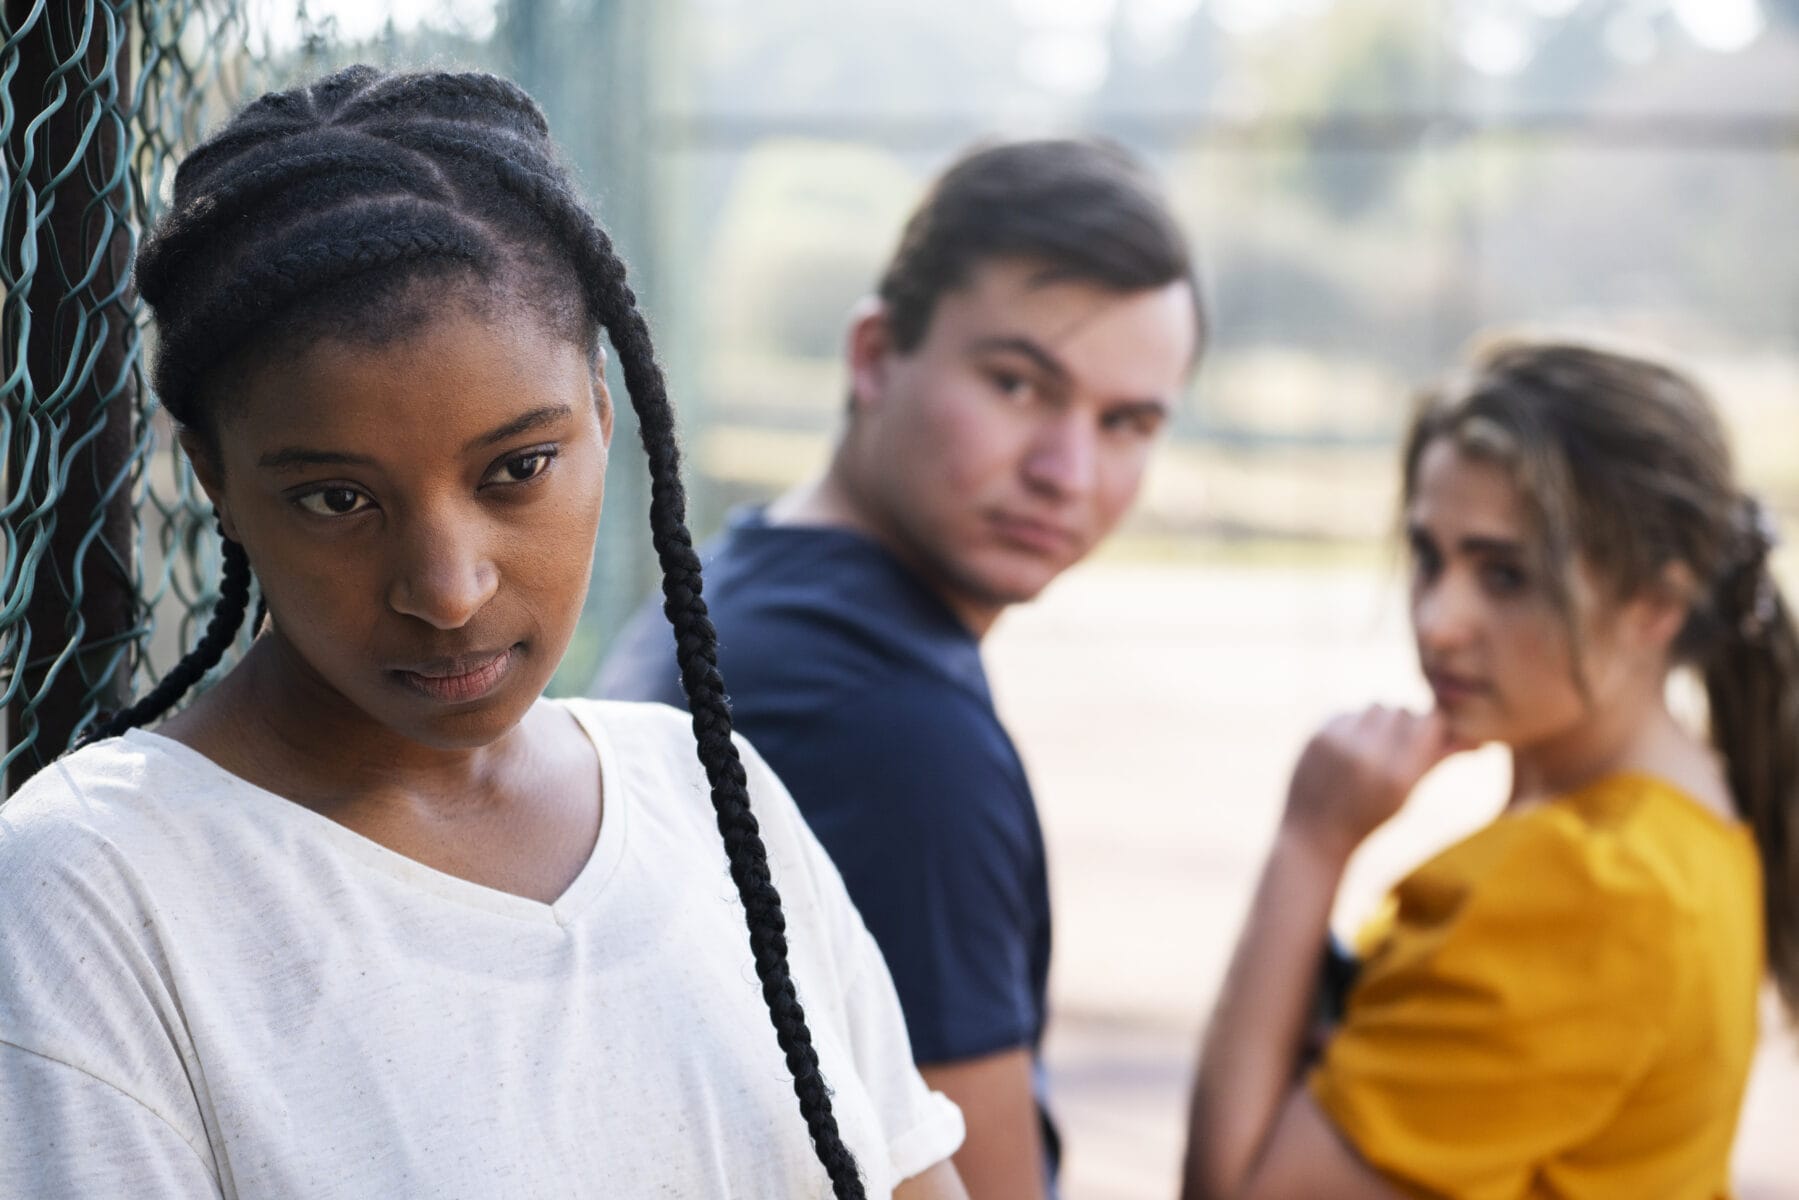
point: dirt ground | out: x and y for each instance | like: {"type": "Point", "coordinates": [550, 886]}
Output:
{"type": "Point", "coordinates": [1159, 709]}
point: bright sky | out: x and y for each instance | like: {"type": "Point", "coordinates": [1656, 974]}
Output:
{"type": "Point", "coordinates": [358, 19]}
{"type": "Point", "coordinates": [1067, 51]}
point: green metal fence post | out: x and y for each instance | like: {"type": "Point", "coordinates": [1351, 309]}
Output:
{"type": "Point", "coordinates": [81, 353]}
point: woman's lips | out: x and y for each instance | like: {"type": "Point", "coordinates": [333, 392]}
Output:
{"type": "Point", "coordinates": [1451, 690]}
{"type": "Point", "coordinates": [460, 679]}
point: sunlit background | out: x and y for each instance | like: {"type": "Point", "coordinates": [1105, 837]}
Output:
{"type": "Point", "coordinates": [1370, 184]}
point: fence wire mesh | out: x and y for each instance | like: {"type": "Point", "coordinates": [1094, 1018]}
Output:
{"type": "Point", "coordinates": [109, 554]}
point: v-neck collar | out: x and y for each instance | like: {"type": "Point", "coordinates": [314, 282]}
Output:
{"type": "Point", "coordinates": [602, 861]}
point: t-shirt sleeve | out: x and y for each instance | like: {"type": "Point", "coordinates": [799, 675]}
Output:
{"type": "Point", "coordinates": [918, 797]}
{"type": "Point", "coordinates": [1503, 1023]}
{"type": "Point", "coordinates": [67, 1135]}
{"type": "Point", "coordinates": [922, 1127]}
{"type": "Point", "coordinates": [96, 1098]}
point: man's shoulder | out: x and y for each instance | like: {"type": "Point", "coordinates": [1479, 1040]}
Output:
{"type": "Point", "coordinates": [805, 616]}
{"type": "Point", "coordinates": [914, 760]}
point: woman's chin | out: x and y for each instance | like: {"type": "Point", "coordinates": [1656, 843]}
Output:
{"type": "Point", "coordinates": [1467, 728]}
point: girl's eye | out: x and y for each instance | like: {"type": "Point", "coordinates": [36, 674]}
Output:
{"type": "Point", "coordinates": [1503, 579]}
{"type": "Point", "coordinates": [334, 502]}
{"type": "Point", "coordinates": [522, 468]}
{"type": "Point", "coordinates": [1424, 560]}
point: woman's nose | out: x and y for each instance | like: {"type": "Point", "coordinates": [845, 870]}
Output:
{"type": "Point", "coordinates": [442, 575]}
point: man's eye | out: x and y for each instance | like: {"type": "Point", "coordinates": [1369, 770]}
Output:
{"type": "Point", "coordinates": [1135, 424]}
{"type": "Point", "coordinates": [333, 502]}
{"type": "Point", "coordinates": [1011, 386]}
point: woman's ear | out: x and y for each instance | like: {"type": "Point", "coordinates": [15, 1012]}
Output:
{"type": "Point", "coordinates": [1666, 603]}
{"type": "Point", "coordinates": [602, 397]}
{"type": "Point", "coordinates": [206, 469]}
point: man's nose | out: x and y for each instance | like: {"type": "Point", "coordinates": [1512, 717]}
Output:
{"type": "Point", "coordinates": [1063, 457]}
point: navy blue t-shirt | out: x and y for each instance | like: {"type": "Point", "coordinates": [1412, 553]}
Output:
{"type": "Point", "coordinates": [867, 696]}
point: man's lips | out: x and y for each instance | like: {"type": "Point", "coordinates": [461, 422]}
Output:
{"type": "Point", "coordinates": [461, 677]}
{"type": "Point", "coordinates": [1045, 537]}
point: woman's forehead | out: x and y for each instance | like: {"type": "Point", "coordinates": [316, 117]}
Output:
{"type": "Point", "coordinates": [1453, 486]}
{"type": "Point", "coordinates": [453, 378]}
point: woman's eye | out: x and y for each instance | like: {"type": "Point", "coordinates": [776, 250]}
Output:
{"type": "Point", "coordinates": [523, 468]}
{"type": "Point", "coordinates": [1424, 561]}
{"type": "Point", "coordinates": [1502, 579]}
{"type": "Point", "coordinates": [334, 502]}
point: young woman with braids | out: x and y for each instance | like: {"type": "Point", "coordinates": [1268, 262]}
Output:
{"type": "Point", "coordinates": [369, 917]}
{"type": "Point", "coordinates": [1564, 1004]}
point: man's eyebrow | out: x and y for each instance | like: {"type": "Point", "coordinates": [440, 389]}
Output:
{"type": "Point", "coordinates": [1149, 406]}
{"type": "Point", "coordinates": [1046, 362]}
{"type": "Point", "coordinates": [537, 418]}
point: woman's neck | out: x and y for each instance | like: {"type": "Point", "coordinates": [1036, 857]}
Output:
{"type": "Point", "coordinates": [1620, 737]}
{"type": "Point", "coordinates": [273, 722]}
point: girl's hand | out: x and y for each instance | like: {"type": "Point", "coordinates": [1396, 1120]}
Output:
{"type": "Point", "coordinates": [1358, 770]}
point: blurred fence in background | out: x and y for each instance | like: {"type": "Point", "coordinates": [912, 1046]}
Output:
{"type": "Point", "coordinates": [1370, 182]}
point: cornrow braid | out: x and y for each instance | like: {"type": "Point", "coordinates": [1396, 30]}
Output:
{"type": "Point", "coordinates": [317, 254]}
{"type": "Point", "coordinates": [696, 642]}
{"type": "Point", "coordinates": [283, 178]}
{"type": "Point", "coordinates": [221, 631]}
{"type": "Point", "coordinates": [361, 184]}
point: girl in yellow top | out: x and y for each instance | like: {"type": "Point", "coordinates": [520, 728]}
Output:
{"type": "Point", "coordinates": [1563, 1004]}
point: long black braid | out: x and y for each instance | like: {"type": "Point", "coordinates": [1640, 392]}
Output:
{"type": "Point", "coordinates": [312, 211]}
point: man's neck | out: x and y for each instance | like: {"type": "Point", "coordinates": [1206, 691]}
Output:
{"type": "Point", "coordinates": [820, 502]}
{"type": "Point", "coordinates": [831, 501]}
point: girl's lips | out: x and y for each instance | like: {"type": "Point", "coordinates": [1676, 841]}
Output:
{"type": "Point", "coordinates": [1454, 689]}
{"type": "Point", "coordinates": [461, 680]}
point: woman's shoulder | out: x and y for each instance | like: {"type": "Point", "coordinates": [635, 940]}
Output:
{"type": "Point", "coordinates": [654, 751]}
{"type": "Point", "coordinates": [648, 736]}
{"type": "Point", "coordinates": [655, 761]}
{"type": "Point", "coordinates": [111, 821]}
{"type": "Point", "coordinates": [1626, 862]}
{"type": "Point", "coordinates": [87, 798]}
{"type": "Point", "coordinates": [80, 848]}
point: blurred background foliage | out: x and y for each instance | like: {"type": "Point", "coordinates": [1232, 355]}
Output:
{"type": "Point", "coordinates": [1370, 184]}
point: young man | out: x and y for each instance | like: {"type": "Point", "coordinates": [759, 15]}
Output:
{"type": "Point", "coordinates": [1027, 345]}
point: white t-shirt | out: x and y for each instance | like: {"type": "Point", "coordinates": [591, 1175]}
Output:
{"type": "Point", "coordinates": [207, 990]}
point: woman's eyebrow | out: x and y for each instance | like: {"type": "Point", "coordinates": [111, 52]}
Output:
{"type": "Point", "coordinates": [1491, 545]}
{"type": "Point", "coordinates": [290, 457]}
{"type": "Point", "coordinates": [1484, 544]}
{"type": "Point", "coordinates": [537, 418]}
{"type": "Point", "coordinates": [299, 456]}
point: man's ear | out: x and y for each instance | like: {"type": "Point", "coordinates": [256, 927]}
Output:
{"type": "Point", "coordinates": [207, 470]}
{"type": "Point", "coordinates": [868, 350]}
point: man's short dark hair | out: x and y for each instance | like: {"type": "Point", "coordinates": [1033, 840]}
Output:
{"type": "Point", "coordinates": [1085, 209]}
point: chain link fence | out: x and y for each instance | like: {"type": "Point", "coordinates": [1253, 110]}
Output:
{"type": "Point", "coordinates": [110, 560]}
{"type": "Point", "coordinates": [110, 557]}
